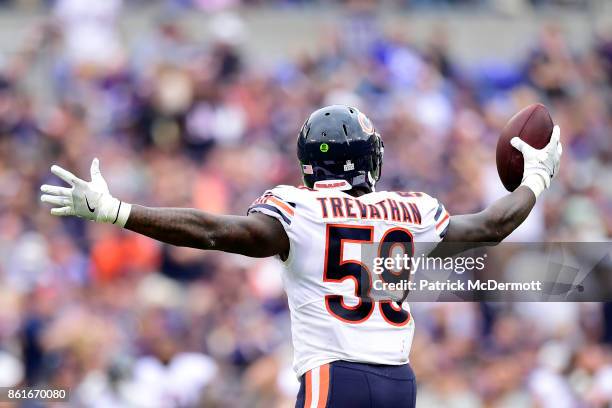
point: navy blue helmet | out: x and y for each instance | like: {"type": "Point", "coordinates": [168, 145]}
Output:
{"type": "Point", "coordinates": [340, 143]}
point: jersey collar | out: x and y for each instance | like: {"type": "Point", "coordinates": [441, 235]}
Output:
{"type": "Point", "coordinates": [332, 185]}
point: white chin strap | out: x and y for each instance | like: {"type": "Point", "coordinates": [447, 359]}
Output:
{"type": "Point", "coordinates": [372, 181]}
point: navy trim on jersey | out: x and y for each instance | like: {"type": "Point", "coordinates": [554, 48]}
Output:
{"type": "Point", "coordinates": [443, 233]}
{"type": "Point", "coordinates": [272, 208]}
{"type": "Point", "coordinates": [284, 201]}
{"type": "Point", "coordinates": [438, 212]}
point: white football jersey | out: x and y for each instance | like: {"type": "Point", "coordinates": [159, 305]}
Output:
{"type": "Point", "coordinates": [325, 228]}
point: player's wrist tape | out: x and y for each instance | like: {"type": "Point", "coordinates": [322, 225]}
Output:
{"type": "Point", "coordinates": [123, 213]}
{"type": "Point", "coordinates": [116, 212]}
{"type": "Point", "coordinates": [535, 182]}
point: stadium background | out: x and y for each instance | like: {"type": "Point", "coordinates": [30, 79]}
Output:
{"type": "Point", "coordinates": [198, 103]}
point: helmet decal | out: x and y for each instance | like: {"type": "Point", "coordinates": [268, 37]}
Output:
{"type": "Point", "coordinates": [324, 147]}
{"type": "Point", "coordinates": [365, 123]}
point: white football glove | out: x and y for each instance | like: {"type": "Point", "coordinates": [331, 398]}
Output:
{"type": "Point", "coordinates": [540, 165]}
{"type": "Point", "coordinates": [90, 200]}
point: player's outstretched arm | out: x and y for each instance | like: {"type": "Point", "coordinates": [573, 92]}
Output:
{"type": "Point", "coordinates": [493, 224]}
{"type": "Point", "coordinates": [256, 235]}
{"type": "Point", "coordinates": [498, 220]}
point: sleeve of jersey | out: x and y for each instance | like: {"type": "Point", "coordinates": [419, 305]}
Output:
{"type": "Point", "coordinates": [274, 204]}
{"type": "Point", "coordinates": [437, 216]}
{"type": "Point", "coordinates": [442, 220]}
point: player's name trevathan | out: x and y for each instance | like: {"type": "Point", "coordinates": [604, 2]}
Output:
{"type": "Point", "coordinates": [387, 209]}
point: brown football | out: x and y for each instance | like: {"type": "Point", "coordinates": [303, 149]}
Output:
{"type": "Point", "coordinates": [534, 125]}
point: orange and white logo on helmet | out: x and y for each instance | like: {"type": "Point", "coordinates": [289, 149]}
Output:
{"type": "Point", "coordinates": [365, 123]}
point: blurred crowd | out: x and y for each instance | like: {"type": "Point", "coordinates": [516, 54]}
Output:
{"type": "Point", "coordinates": [215, 5]}
{"type": "Point", "coordinates": [125, 321]}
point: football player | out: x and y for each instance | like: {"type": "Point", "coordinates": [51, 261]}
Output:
{"type": "Point", "coordinates": [350, 350]}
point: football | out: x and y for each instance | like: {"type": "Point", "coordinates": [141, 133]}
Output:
{"type": "Point", "coordinates": [534, 125]}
